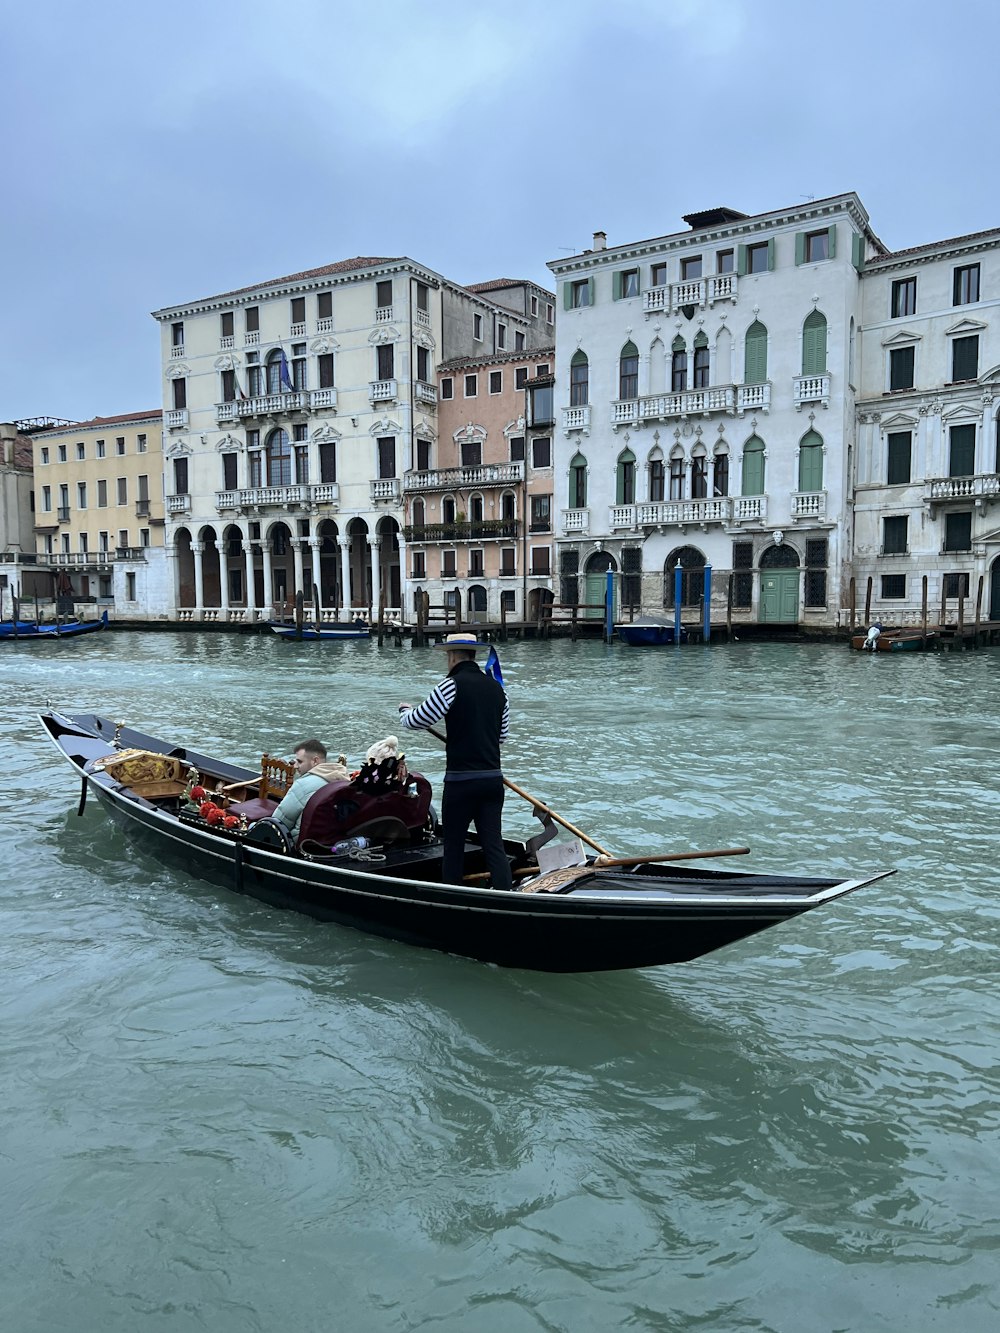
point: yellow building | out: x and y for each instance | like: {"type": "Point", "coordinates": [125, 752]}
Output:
{"type": "Point", "coordinates": [99, 512]}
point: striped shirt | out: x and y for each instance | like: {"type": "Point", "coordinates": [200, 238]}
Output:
{"type": "Point", "coordinates": [435, 707]}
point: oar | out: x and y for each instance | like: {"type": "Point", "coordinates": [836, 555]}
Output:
{"type": "Point", "coordinates": [602, 864]}
{"type": "Point", "coordinates": [540, 805]}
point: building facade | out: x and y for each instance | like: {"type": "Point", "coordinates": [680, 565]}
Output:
{"type": "Point", "coordinates": [293, 409]}
{"type": "Point", "coordinates": [705, 398]}
{"type": "Point", "coordinates": [479, 530]}
{"type": "Point", "coordinates": [18, 577]}
{"type": "Point", "coordinates": [927, 499]}
{"type": "Point", "coordinates": [99, 514]}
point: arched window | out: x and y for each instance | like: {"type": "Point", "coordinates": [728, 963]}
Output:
{"type": "Point", "coordinates": [279, 459]}
{"type": "Point", "coordinates": [628, 372]}
{"type": "Point", "coordinates": [720, 474]}
{"type": "Point", "coordinates": [811, 462]}
{"type": "Point", "coordinates": [679, 365]}
{"type": "Point", "coordinates": [692, 564]}
{"type": "Point", "coordinates": [579, 380]}
{"type": "Point", "coordinates": [625, 478]}
{"type": "Point", "coordinates": [753, 466]}
{"type": "Point", "coordinates": [448, 509]}
{"type": "Point", "coordinates": [699, 477]}
{"type": "Point", "coordinates": [274, 384]}
{"type": "Point", "coordinates": [418, 514]}
{"type": "Point", "coordinates": [508, 508]}
{"type": "Point", "coordinates": [814, 344]}
{"type": "Point", "coordinates": [996, 460]}
{"type": "Point", "coordinates": [677, 477]}
{"type": "Point", "coordinates": [755, 354]}
{"type": "Point", "coordinates": [657, 479]}
{"type": "Point", "coordinates": [476, 509]}
{"type": "Point", "coordinates": [578, 482]}
{"type": "Point", "coordinates": [701, 367]}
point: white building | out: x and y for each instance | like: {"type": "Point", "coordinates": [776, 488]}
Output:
{"type": "Point", "coordinates": [292, 410]}
{"type": "Point", "coordinates": [927, 502]}
{"type": "Point", "coordinates": [705, 403]}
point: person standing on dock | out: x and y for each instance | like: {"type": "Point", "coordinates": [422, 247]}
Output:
{"type": "Point", "coordinates": [478, 719]}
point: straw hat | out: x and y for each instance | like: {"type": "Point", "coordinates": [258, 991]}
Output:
{"type": "Point", "coordinates": [461, 643]}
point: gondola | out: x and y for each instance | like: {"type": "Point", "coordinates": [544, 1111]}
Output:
{"type": "Point", "coordinates": [590, 917]}
{"type": "Point", "coordinates": [650, 632]}
{"type": "Point", "coordinates": [31, 631]}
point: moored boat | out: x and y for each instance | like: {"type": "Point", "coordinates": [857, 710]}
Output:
{"type": "Point", "coordinates": [907, 640]}
{"type": "Point", "coordinates": [31, 631]}
{"type": "Point", "coordinates": [324, 632]}
{"type": "Point", "coordinates": [649, 631]}
{"type": "Point", "coordinates": [601, 915]}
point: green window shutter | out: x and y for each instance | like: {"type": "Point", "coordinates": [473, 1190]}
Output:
{"type": "Point", "coordinates": [857, 251]}
{"type": "Point", "coordinates": [755, 354]}
{"type": "Point", "coordinates": [753, 467]}
{"type": "Point", "coordinates": [811, 462]}
{"type": "Point", "coordinates": [800, 247]}
{"type": "Point", "coordinates": [814, 344]}
{"type": "Point", "coordinates": [616, 286]}
{"type": "Point", "coordinates": [962, 451]}
{"type": "Point", "coordinates": [626, 460]}
{"type": "Point", "coordinates": [678, 344]}
{"type": "Point", "coordinates": [701, 340]}
{"type": "Point", "coordinates": [831, 232]}
{"type": "Point", "coordinates": [770, 254]}
{"type": "Point", "coordinates": [567, 296]}
{"type": "Point", "coordinates": [741, 261]}
{"type": "Point", "coordinates": [590, 288]}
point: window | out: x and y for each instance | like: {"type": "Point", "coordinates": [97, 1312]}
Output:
{"type": "Point", "coordinates": [625, 478]}
{"type": "Point", "coordinates": [45, 454]}
{"type": "Point", "coordinates": [817, 558]}
{"type": "Point", "coordinates": [964, 359]}
{"type": "Point", "coordinates": [120, 445]}
{"type": "Point", "coordinates": [477, 327]}
{"type": "Point", "coordinates": [228, 386]}
{"type": "Point", "coordinates": [541, 513]}
{"type": "Point", "coordinates": [657, 480]}
{"type": "Point", "coordinates": [540, 411]}
{"type": "Point", "coordinates": [47, 499]}
{"type": "Point", "coordinates": [298, 310]}
{"type": "Point", "coordinates": [550, 314]}
{"type": "Point", "coordinates": [966, 285]}
{"type": "Point", "coordinates": [508, 562]}
{"type": "Point", "coordinates": [328, 461]}
{"type": "Point", "coordinates": [699, 477]}
{"type": "Point", "coordinates": [541, 452]}
{"type": "Point", "coordinates": [508, 507]}
{"type": "Point", "coordinates": [580, 293]}
{"type": "Point", "coordinates": [962, 451]}
{"type": "Point", "coordinates": [298, 367]}
{"type": "Point", "coordinates": [385, 362]}
{"type": "Point", "coordinates": [123, 540]}
{"type": "Point", "coordinates": [542, 368]}
{"type": "Point", "coordinates": [471, 386]}
{"type": "Point", "coordinates": [130, 586]}
{"type": "Point", "coordinates": [904, 298]}
{"type": "Point", "coordinates": [517, 448]}
{"type": "Point", "coordinates": [418, 514]}
{"type": "Point", "coordinates": [477, 565]}
{"type": "Point", "coordinates": [520, 377]}
{"type": "Point", "coordinates": [626, 283]}
{"type": "Point", "coordinates": [496, 381]}
{"type": "Point", "coordinates": [383, 294]}
{"type": "Point", "coordinates": [140, 444]}
{"type": "Point", "coordinates": [760, 257]}
{"type": "Point", "coordinates": [448, 509]}
{"type": "Point", "coordinates": [720, 474]}
{"type": "Point", "coordinates": [81, 495]}
{"type": "Point", "coordinates": [324, 368]}
{"type": "Point", "coordinates": [387, 456]}
{"type": "Point", "coordinates": [421, 295]}
{"type": "Point", "coordinates": [678, 366]}
{"type": "Point", "coordinates": [301, 455]}
{"type": "Point", "coordinates": [501, 336]}
{"type": "Point", "coordinates": [816, 246]}
{"type": "Point", "coordinates": [251, 320]}
{"type": "Point", "coordinates": [177, 335]}
{"type": "Point", "coordinates": [628, 372]}
{"type": "Point", "coordinates": [254, 376]}
{"type": "Point", "coordinates": [753, 466]}
{"type": "Point", "coordinates": [448, 564]}
{"type": "Point", "coordinates": [226, 324]}
{"type": "Point", "coordinates": [701, 367]}
{"type": "Point", "coordinates": [518, 342]}
{"type": "Point", "coordinates": [811, 463]}
{"type": "Point", "coordinates": [144, 536]}
{"type": "Point", "coordinates": [102, 494]}
{"type": "Point", "coordinates": [229, 480]}
{"type": "Point", "coordinates": [447, 387]}
{"type": "Point", "coordinates": [578, 482]}
{"type": "Point", "coordinates": [123, 490]}
{"type": "Point", "coordinates": [725, 261]}
{"type": "Point", "coordinates": [579, 380]}
{"type": "Point", "coordinates": [423, 364]}
{"type": "Point", "coordinates": [814, 344]}
{"type": "Point", "coordinates": [180, 394]}
{"type": "Point", "coordinates": [419, 568]}
{"type": "Point", "coordinates": [62, 453]}
{"type": "Point", "coordinates": [955, 585]}
{"type": "Point", "coordinates": [958, 531]}
{"type": "Point", "coordinates": [677, 478]}
{"type": "Point", "coordinates": [894, 534]}
{"type": "Point", "coordinates": [324, 305]}
{"type": "Point", "coordinates": [540, 561]}
{"type": "Point", "coordinates": [658, 275]}
{"type": "Point", "coordinates": [278, 459]}
{"type": "Point", "coordinates": [423, 455]}
{"type": "Point", "coordinates": [899, 449]}
{"type": "Point", "coordinates": [81, 452]}
{"type": "Point", "coordinates": [534, 306]}
{"type": "Point", "coordinates": [632, 576]}
{"type": "Point", "coordinates": [900, 368]}
{"type": "Point", "coordinates": [471, 453]}
{"type": "Point", "coordinates": [755, 354]}
{"type": "Point", "coordinates": [83, 543]}
{"type": "Point", "coordinates": [691, 268]}
{"type": "Point", "coordinates": [99, 449]}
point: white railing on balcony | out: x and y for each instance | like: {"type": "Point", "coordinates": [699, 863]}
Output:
{"type": "Point", "coordinates": [383, 315]}
{"type": "Point", "coordinates": [177, 350]}
{"type": "Point", "coordinates": [982, 486]}
{"type": "Point", "coordinates": [714, 510]}
{"type": "Point", "coordinates": [283, 497]}
{"type": "Point", "coordinates": [426, 393]}
{"type": "Point", "coordinates": [178, 504]}
{"type": "Point", "coordinates": [251, 339]}
{"type": "Point", "coordinates": [696, 291]}
{"type": "Point", "coordinates": [324, 493]}
{"type": "Point", "coordinates": [227, 342]}
{"type": "Point", "coordinates": [691, 292]}
{"type": "Point", "coordinates": [576, 520]}
{"type": "Point", "coordinates": [325, 325]}
{"type": "Point", "coordinates": [722, 287]}
{"type": "Point", "coordinates": [382, 391]}
{"type": "Point", "coordinates": [811, 389]}
{"type": "Point", "coordinates": [385, 488]}
{"type": "Point", "coordinates": [576, 418]}
{"type": "Point", "coordinates": [297, 330]}
{"type": "Point", "coordinates": [176, 416]}
{"type": "Point", "coordinates": [808, 504]}
{"type": "Point", "coordinates": [749, 508]}
{"type": "Point", "coordinates": [227, 412]}
{"type": "Point", "coordinates": [664, 406]}
{"type": "Point", "coordinates": [423, 317]}
{"type": "Point", "coordinates": [622, 516]}
{"type": "Point", "coordinates": [270, 404]}
{"type": "Point", "coordinates": [753, 398]}
{"type": "Point", "coordinates": [448, 478]}
{"type": "Point", "coordinates": [323, 398]}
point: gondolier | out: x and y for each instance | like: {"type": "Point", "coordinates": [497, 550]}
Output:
{"type": "Point", "coordinates": [478, 718]}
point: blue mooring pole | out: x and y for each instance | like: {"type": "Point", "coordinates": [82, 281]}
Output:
{"type": "Point", "coordinates": [678, 573]}
{"type": "Point", "coordinates": [707, 609]}
{"type": "Point", "coordinates": [609, 606]}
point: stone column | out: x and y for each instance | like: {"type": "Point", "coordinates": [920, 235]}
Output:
{"type": "Point", "coordinates": [403, 582]}
{"type": "Point", "coordinates": [375, 543]}
{"type": "Point", "coordinates": [251, 589]}
{"type": "Point", "coordinates": [268, 578]}
{"type": "Point", "coordinates": [297, 563]}
{"type": "Point", "coordinates": [223, 578]}
{"type": "Point", "coordinates": [197, 548]}
{"type": "Point", "coordinates": [345, 575]}
{"type": "Point", "coordinates": [314, 544]}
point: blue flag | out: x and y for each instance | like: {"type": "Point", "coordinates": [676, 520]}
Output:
{"type": "Point", "coordinates": [286, 378]}
{"type": "Point", "coordinates": [492, 667]}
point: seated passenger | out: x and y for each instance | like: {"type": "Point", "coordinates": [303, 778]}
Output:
{"type": "Point", "coordinates": [313, 773]}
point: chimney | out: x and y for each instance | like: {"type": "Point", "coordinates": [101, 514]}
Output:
{"type": "Point", "coordinates": [600, 240]}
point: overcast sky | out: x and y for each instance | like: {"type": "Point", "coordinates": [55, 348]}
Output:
{"type": "Point", "coordinates": [156, 153]}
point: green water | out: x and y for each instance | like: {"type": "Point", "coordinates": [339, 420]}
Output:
{"type": "Point", "coordinates": [220, 1116]}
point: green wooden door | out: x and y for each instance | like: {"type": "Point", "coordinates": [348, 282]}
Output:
{"type": "Point", "coordinates": [595, 587]}
{"type": "Point", "coordinates": [779, 596]}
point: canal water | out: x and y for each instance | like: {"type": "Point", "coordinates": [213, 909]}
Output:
{"type": "Point", "coordinates": [216, 1115]}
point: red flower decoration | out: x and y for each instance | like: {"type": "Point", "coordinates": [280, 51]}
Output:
{"type": "Point", "coordinates": [215, 815]}
{"type": "Point", "coordinates": [231, 821]}
{"type": "Point", "coordinates": [198, 793]}
{"type": "Point", "coordinates": [206, 808]}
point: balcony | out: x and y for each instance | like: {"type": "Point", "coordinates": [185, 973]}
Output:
{"type": "Point", "coordinates": [576, 418]}
{"type": "Point", "coordinates": [323, 400]}
{"type": "Point", "coordinates": [142, 508]}
{"type": "Point", "coordinates": [425, 393]}
{"type": "Point", "coordinates": [177, 351]}
{"type": "Point", "coordinates": [178, 504]}
{"type": "Point", "coordinates": [383, 315]}
{"type": "Point", "coordinates": [227, 342]}
{"type": "Point", "coordinates": [382, 391]}
{"type": "Point", "coordinates": [297, 330]}
{"type": "Point", "coordinates": [175, 418]}
{"type": "Point", "coordinates": [808, 504]}
{"type": "Point", "coordinates": [811, 389]}
{"type": "Point", "coordinates": [385, 490]}
{"type": "Point", "coordinates": [697, 292]}
{"type": "Point", "coordinates": [672, 406]}
{"type": "Point", "coordinates": [77, 559]}
{"type": "Point", "coordinates": [423, 318]}
{"type": "Point", "coordinates": [452, 478]}
{"type": "Point", "coordinates": [325, 325]}
{"type": "Point", "coordinates": [753, 398]}
{"type": "Point", "coordinates": [621, 516]}
{"type": "Point", "coordinates": [980, 490]}
{"type": "Point", "coordinates": [130, 552]}
{"type": "Point", "coordinates": [718, 509]}
{"type": "Point", "coordinates": [263, 405]}
{"type": "Point", "coordinates": [62, 513]}
{"type": "Point", "coordinates": [251, 338]}
{"type": "Point", "coordinates": [487, 529]}
{"type": "Point", "coordinates": [277, 497]}
{"type": "Point", "coordinates": [749, 508]}
{"type": "Point", "coordinates": [575, 520]}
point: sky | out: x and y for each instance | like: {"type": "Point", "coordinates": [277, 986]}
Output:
{"type": "Point", "coordinates": [159, 153]}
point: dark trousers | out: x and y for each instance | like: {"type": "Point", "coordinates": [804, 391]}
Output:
{"type": "Point", "coordinates": [477, 801]}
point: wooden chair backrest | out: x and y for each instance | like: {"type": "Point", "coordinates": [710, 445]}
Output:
{"type": "Point", "coordinates": [276, 776]}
